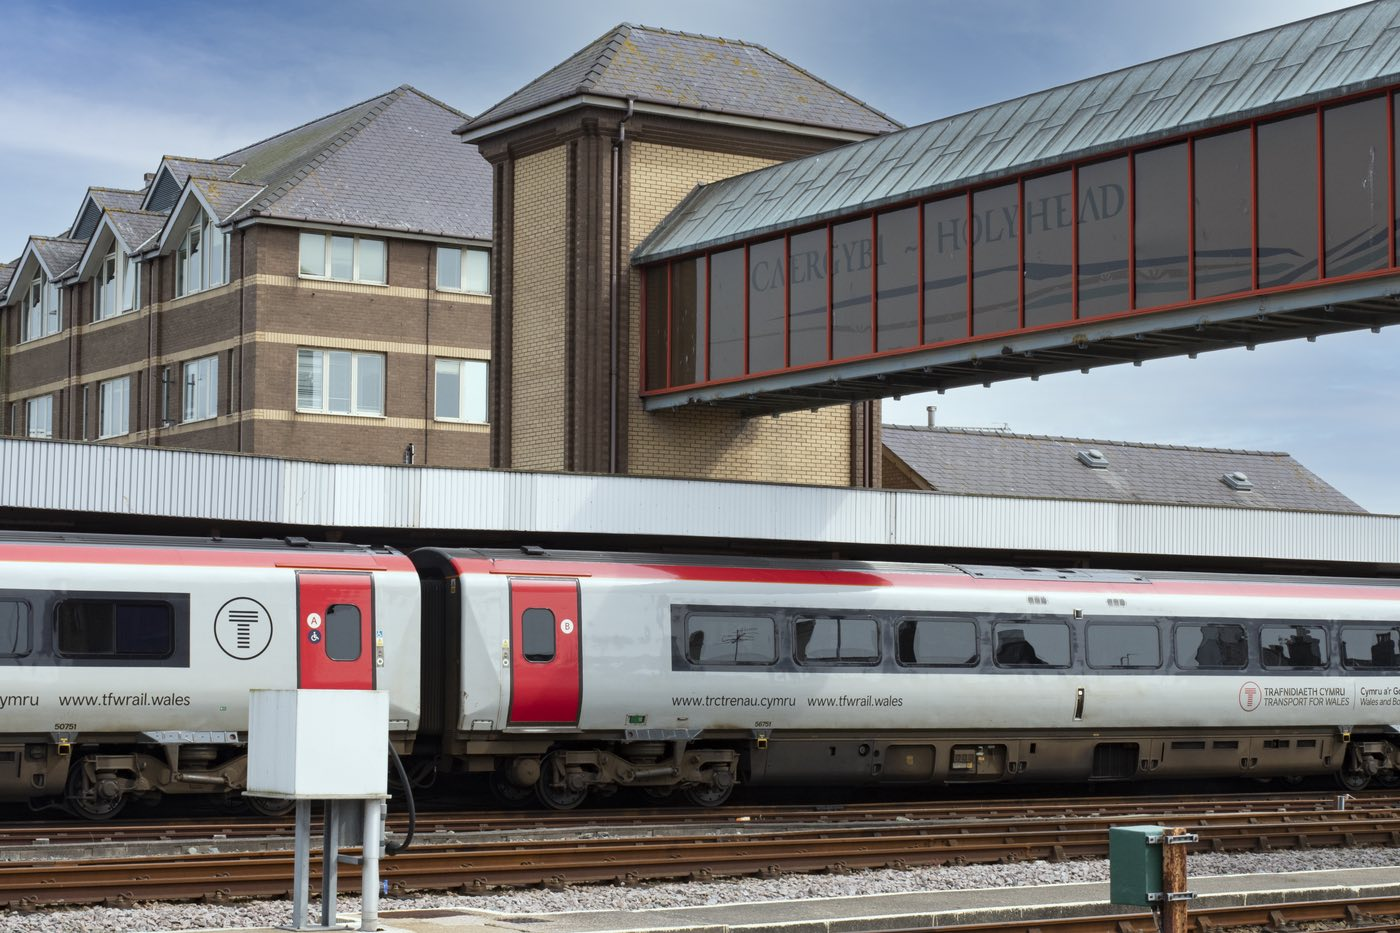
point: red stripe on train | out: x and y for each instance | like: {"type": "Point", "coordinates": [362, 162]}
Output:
{"type": "Point", "coordinates": [158, 556]}
{"type": "Point", "coordinates": [796, 576]}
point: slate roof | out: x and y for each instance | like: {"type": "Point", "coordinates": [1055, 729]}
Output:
{"type": "Point", "coordinates": [968, 461]}
{"type": "Point", "coordinates": [7, 272]}
{"type": "Point", "coordinates": [226, 197]}
{"type": "Point", "coordinates": [136, 227]}
{"type": "Point", "coordinates": [183, 169]}
{"type": "Point", "coordinates": [1326, 56]}
{"type": "Point", "coordinates": [117, 199]}
{"type": "Point", "coordinates": [58, 255]}
{"type": "Point", "coordinates": [697, 72]}
{"type": "Point", "coordinates": [387, 163]}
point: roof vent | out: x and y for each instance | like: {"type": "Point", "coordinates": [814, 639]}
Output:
{"type": "Point", "coordinates": [1237, 480]}
{"type": "Point", "coordinates": [1093, 458]}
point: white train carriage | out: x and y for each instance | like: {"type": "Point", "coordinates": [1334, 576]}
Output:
{"type": "Point", "coordinates": [568, 673]}
{"type": "Point", "coordinates": [126, 662]}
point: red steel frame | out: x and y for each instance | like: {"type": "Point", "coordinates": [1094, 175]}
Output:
{"type": "Point", "coordinates": [1317, 110]}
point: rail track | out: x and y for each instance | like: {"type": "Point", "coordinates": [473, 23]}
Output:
{"type": "Point", "coordinates": [891, 838]}
{"type": "Point", "coordinates": [215, 828]}
{"type": "Point", "coordinates": [1356, 915]}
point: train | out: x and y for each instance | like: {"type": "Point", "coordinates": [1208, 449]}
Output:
{"type": "Point", "coordinates": [560, 675]}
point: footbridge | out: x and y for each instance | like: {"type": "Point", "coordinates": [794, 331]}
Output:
{"type": "Point", "coordinates": [1228, 196]}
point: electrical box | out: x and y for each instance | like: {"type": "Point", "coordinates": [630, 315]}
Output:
{"type": "Point", "coordinates": [1134, 864]}
{"type": "Point", "coordinates": [318, 744]}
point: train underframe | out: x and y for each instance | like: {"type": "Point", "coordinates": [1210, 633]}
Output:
{"type": "Point", "coordinates": [98, 779]}
{"type": "Point", "coordinates": [705, 769]}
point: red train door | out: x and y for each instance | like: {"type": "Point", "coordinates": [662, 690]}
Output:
{"type": "Point", "coordinates": [335, 631]}
{"type": "Point", "coordinates": [546, 683]}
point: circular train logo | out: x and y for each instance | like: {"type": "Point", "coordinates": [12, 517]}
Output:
{"type": "Point", "coordinates": [243, 628]}
{"type": "Point", "coordinates": [1250, 695]}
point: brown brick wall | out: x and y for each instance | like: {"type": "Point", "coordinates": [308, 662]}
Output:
{"type": "Point", "coordinates": [538, 313]}
{"type": "Point", "coordinates": [255, 324]}
{"type": "Point", "coordinates": [800, 447]}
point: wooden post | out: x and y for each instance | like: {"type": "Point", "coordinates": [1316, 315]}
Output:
{"type": "Point", "coordinates": [1173, 882]}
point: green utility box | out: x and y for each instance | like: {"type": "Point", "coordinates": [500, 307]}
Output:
{"type": "Point", "coordinates": [1135, 864]}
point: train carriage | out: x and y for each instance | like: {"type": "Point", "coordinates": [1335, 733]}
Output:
{"type": "Point", "coordinates": [575, 673]}
{"type": "Point", "coordinates": [126, 661]}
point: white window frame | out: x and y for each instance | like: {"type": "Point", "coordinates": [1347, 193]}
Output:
{"type": "Point", "coordinates": [321, 404]}
{"type": "Point", "coordinates": [306, 248]}
{"type": "Point", "coordinates": [464, 395]}
{"type": "Point", "coordinates": [199, 399]}
{"type": "Point", "coordinates": [104, 288]}
{"type": "Point", "coordinates": [211, 267]}
{"type": "Point", "coordinates": [129, 277]}
{"type": "Point", "coordinates": [39, 310]}
{"type": "Point", "coordinates": [38, 410]}
{"type": "Point", "coordinates": [114, 407]}
{"type": "Point", "coordinates": [452, 258]}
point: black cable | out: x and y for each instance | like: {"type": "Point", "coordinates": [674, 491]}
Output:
{"type": "Point", "coordinates": [394, 848]}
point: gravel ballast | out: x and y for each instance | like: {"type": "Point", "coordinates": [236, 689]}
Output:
{"type": "Point", "coordinates": [148, 917]}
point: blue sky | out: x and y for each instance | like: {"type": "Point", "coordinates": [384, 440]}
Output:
{"type": "Point", "coordinates": [97, 92]}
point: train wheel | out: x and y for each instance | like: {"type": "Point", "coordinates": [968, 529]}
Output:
{"type": "Point", "coordinates": [269, 806]}
{"type": "Point", "coordinates": [554, 788]}
{"type": "Point", "coordinates": [1353, 781]}
{"type": "Point", "coordinates": [92, 800]}
{"type": "Point", "coordinates": [708, 795]}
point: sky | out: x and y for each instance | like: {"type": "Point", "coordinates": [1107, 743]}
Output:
{"type": "Point", "coordinates": [97, 92]}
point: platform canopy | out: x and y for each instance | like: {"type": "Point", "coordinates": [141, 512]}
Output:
{"type": "Point", "coordinates": [1231, 195]}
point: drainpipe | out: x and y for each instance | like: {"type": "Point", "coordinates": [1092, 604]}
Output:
{"type": "Point", "coordinates": [614, 260]}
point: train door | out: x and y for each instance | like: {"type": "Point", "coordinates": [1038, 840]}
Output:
{"type": "Point", "coordinates": [546, 681]}
{"type": "Point", "coordinates": [336, 635]}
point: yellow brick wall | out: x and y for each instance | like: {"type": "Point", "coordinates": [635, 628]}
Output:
{"type": "Point", "coordinates": [538, 340]}
{"type": "Point", "coordinates": [800, 447]}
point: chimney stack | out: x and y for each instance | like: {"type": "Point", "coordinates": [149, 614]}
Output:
{"type": "Point", "coordinates": [931, 410]}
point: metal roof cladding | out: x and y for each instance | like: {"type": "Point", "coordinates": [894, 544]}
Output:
{"type": "Point", "coordinates": [1327, 56]}
{"type": "Point", "coordinates": [36, 481]}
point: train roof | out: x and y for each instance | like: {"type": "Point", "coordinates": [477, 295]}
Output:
{"type": "Point", "coordinates": [984, 572]}
{"type": "Point", "coordinates": [292, 543]}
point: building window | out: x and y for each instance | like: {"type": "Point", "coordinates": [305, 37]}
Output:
{"type": "Point", "coordinates": [339, 382]}
{"type": "Point", "coordinates": [343, 258]}
{"type": "Point", "coordinates": [114, 407]}
{"type": "Point", "coordinates": [117, 276]}
{"type": "Point", "coordinates": [461, 390]}
{"type": "Point", "coordinates": [39, 309]}
{"type": "Point", "coordinates": [130, 283]}
{"type": "Point", "coordinates": [201, 389]}
{"type": "Point", "coordinates": [38, 416]}
{"type": "Point", "coordinates": [202, 260]}
{"type": "Point", "coordinates": [464, 270]}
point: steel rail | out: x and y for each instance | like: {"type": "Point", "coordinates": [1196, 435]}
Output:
{"type": "Point", "coordinates": [222, 827]}
{"type": "Point", "coordinates": [477, 865]}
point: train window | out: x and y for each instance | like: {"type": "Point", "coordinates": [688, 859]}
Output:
{"type": "Point", "coordinates": [1210, 646]}
{"type": "Point", "coordinates": [731, 639]}
{"type": "Point", "coordinates": [1110, 645]}
{"type": "Point", "coordinates": [836, 640]}
{"type": "Point", "coordinates": [14, 628]}
{"type": "Point", "coordinates": [343, 633]}
{"type": "Point", "coordinates": [1032, 644]}
{"type": "Point", "coordinates": [936, 643]}
{"type": "Point", "coordinates": [537, 635]}
{"type": "Point", "coordinates": [115, 629]}
{"type": "Point", "coordinates": [1292, 646]}
{"type": "Point", "coordinates": [1364, 647]}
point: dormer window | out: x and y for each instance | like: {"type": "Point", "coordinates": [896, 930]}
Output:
{"type": "Point", "coordinates": [202, 260]}
{"type": "Point", "coordinates": [116, 288]}
{"type": "Point", "coordinates": [39, 315]}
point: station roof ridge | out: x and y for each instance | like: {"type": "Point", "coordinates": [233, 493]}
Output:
{"type": "Point", "coordinates": [1328, 55]}
{"type": "Point", "coordinates": [998, 432]}
{"type": "Point", "coordinates": [677, 68]}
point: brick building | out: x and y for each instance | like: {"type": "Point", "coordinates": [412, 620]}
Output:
{"type": "Point", "coordinates": [588, 159]}
{"type": "Point", "coordinates": [321, 294]}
